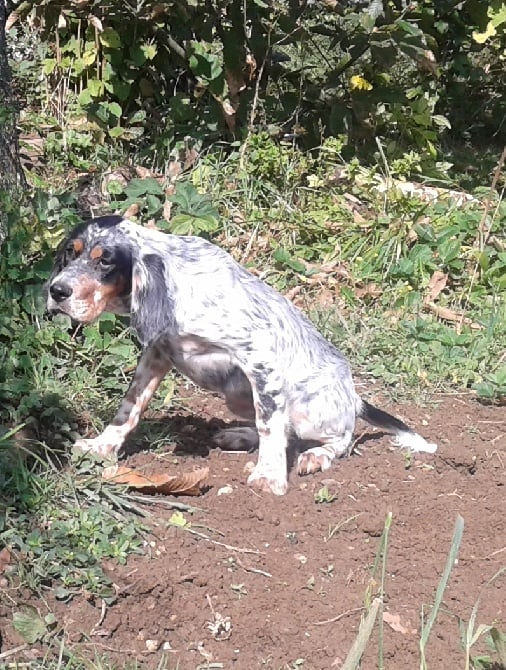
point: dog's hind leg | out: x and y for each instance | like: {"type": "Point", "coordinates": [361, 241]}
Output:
{"type": "Point", "coordinates": [319, 458]}
{"type": "Point", "coordinates": [323, 413]}
{"type": "Point", "coordinates": [152, 367]}
{"type": "Point", "coordinates": [239, 399]}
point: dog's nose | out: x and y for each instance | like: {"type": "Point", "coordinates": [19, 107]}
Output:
{"type": "Point", "coordinates": [60, 291]}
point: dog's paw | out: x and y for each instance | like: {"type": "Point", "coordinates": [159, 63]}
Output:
{"type": "Point", "coordinates": [313, 460]}
{"type": "Point", "coordinates": [237, 438]}
{"type": "Point", "coordinates": [267, 482]}
{"type": "Point", "coordinates": [97, 446]}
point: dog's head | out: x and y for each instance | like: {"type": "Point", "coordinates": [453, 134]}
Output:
{"type": "Point", "coordinates": [93, 271]}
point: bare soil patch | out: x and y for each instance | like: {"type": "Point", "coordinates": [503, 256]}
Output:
{"type": "Point", "coordinates": [280, 583]}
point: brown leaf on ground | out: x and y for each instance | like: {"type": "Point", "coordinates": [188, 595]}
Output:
{"type": "Point", "coordinates": [436, 285]}
{"type": "Point", "coordinates": [5, 559]}
{"type": "Point", "coordinates": [167, 207]}
{"type": "Point", "coordinates": [185, 483]}
{"type": "Point", "coordinates": [293, 292]}
{"type": "Point", "coordinates": [448, 314]}
{"type": "Point", "coordinates": [143, 173]}
{"type": "Point", "coordinates": [370, 290]}
{"type": "Point", "coordinates": [394, 621]}
{"type": "Point", "coordinates": [357, 217]}
{"type": "Point", "coordinates": [133, 210]}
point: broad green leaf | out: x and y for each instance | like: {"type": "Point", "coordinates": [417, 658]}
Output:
{"type": "Point", "coordinates": [49, 65]}
{"type": "Point", "coordinates": [116, 132]}
{"type": "Point", "coordinates": [85, 98]}
{"type": "Point", "coordinates": [115, 109]}
{"type": "Point", "coordinates": [110, 38]}
{"type": "Point", "coordinates": [95, 88]}
{"type": "Point", "coordinates": [177, 519]}
{"type": "Point", "coordinates": [29, 624]}
{"type": "Point", "coordinates": [89, 57]}
{"type": "Point", "coordinates": [489, 31]}
{"type": "Point", "coordinates": [137, 117]}
{"type": "Point", "coordinates": [137, 55]}
{"type": "Point", "coordinates": [141, 187]}
{"type": "Point", "coordinates": [409, 28]}
{"type": "Point", "coordinates": [119, 88]}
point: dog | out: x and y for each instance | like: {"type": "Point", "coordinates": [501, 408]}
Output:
{"type": "Point", "coordinates": [194, 308]}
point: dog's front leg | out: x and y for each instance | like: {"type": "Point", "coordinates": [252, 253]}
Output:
{"type": "Point", "coordinates": [152, 367]}
{"type": "Point", "coordinates": [270, 472]}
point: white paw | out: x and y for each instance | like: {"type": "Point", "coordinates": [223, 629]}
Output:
{"type": "Point", "coordinates": [97, 446]}
{"type": "Point", "coordinates": [313, 460]}
{"type": "Point", "coordinates": [267, 482]}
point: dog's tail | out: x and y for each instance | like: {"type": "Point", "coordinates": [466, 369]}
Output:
{"type": "Point", "coordinates": [404, 436]}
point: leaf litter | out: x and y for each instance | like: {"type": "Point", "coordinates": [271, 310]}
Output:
{"type": "Point", "coordinates": [185, 483]}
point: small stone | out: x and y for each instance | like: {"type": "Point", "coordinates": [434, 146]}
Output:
{"type": "Point", "coordinates": [225, 490]}
{"type": "Point", "coordinates": [301, 558]}
{"type": "Point", "coordinates": [152, 645]}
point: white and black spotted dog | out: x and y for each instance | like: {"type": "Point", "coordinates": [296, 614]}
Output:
{"type": "Point", "coordinates": [195, 309]}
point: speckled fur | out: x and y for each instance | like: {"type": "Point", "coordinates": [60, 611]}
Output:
{"type": "Point", "coordinates": [194, 308]}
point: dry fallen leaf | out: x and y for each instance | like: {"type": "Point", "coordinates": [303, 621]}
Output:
{"type": "Point", "coordinates": [394, 621]}
{"type": "Point", "coordinates": [448, 314]}
{"type": "Point", "coordinates": [167, 207]}
{"type": "Point", "coordinates": [5, 559]}
{"type": "Point", "coordinates": [370, 290]}
{"type": "Point", "coordinates": [436, 285]}
{"type": "Point", "coordinates": [185, 483]}
{"type": "Point", "coordinates": [133, 210]}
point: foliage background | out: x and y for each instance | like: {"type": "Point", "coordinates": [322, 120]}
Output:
{"type": "Point", "coordinates": [257, 124]}
{"type": "Point", "coordinates": [350, 154]}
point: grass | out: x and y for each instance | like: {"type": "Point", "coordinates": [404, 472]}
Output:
{"type": "Point", "coordinates": [374, 604]}
{"type": "Point", "coordinates": [60, 520]}
{"type": "Point", "coordinates": [358, 259]}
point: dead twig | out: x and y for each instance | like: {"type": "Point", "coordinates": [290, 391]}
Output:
{"type": "Point", "coordinates": [230, 547]}
{"type": "Point", "coordinates": [488, 556]}
{"type": "Point", "coordinates": [338, 617]}
{"type": "Point", "coordinates": [255, 570]}
{"type": "Point", "coordinates": [14, 650]}
{"type": "Point", "coordinates": [94, 630]}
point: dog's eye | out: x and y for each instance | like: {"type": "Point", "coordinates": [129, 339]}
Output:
{"type": "Point", "coordinates": [106, 259]}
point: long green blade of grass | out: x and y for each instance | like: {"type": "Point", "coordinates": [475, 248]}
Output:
{"type": "Point", "coordinates": [450, 562]}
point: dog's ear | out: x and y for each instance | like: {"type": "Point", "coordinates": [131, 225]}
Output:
{"type": "Point", "coordinates": [60, 256]}
{"type": "Point", "coordinates": [152, 304]}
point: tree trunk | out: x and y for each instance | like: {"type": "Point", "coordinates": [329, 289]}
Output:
{"type": "Point", "coordinates": [12, 178]}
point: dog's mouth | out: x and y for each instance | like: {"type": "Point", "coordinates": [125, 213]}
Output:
{"type": "Point", "coordinates": [54, 309]}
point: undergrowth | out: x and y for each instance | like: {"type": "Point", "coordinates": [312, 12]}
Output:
{"type": "Point", "coordinates": [411, 290]}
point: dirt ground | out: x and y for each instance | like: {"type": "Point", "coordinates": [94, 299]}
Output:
{"type": "Point", "coordinates": [282, 582]}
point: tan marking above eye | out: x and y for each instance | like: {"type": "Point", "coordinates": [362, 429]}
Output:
{"type": "Point", "coordinates": [78, 246]}
{"type": "Point", "coordinates": [96, 253]}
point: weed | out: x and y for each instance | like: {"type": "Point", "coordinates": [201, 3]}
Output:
{"type": "Point", "coordinates": [60, 524]}
{"type": "Point", "coordinates": [324, 496]}
{"type": "Point", "coordinates": [239, 589]}
{"type": "Point", "coordinates": [471, 633]}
